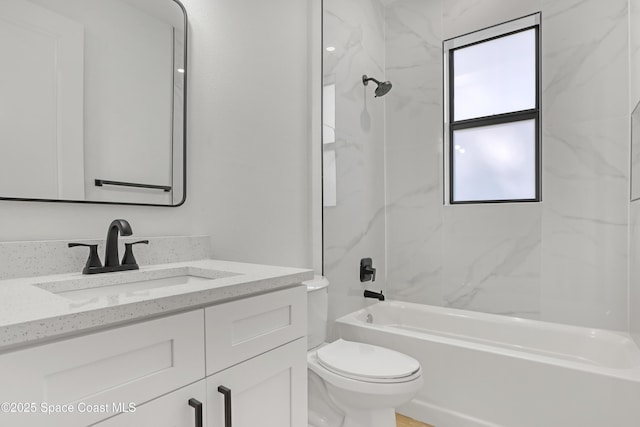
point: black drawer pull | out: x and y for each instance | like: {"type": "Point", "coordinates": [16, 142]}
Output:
{"type": "Point", "coordinates": [227, 405]}
{"type": "Point", "coordinates": [197, 405]}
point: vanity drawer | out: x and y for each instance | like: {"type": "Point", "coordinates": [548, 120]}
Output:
{"type": "Point", "coordinates": [95, 375]}
{"type": "Point", "coordinates": [172, 409]}
{"type": "Point", "coordinates": [239, 330]}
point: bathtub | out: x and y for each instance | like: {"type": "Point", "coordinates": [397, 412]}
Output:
{"type": "Point", "coordinates": [484, 370]}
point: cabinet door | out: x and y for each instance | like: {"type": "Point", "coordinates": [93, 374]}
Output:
{"type": "Point", "coordinates": [103, 370]}
{"type": "Point", "coordinates": [172, 410]}
{"type": "Point", "coordinates": [269, 390]}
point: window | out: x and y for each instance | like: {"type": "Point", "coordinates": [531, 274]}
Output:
{"type": "Point", "coordinates": [492, 116]}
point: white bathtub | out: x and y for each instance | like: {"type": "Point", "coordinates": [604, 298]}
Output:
{"type": "Point", "coordinates": [489, 370]}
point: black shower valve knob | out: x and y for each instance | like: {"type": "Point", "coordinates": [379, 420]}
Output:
{"type": "Point", "coordinates": [367, 272]}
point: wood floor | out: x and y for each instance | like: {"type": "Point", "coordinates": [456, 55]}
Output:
{"type": "Point", "coordinates": [402, 421]}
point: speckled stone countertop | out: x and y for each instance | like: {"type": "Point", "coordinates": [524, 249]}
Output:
{"type": "Point", "coordinates": [38, 309]}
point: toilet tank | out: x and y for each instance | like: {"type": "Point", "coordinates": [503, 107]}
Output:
{"type": "Point", "coordinates": [317, 310]}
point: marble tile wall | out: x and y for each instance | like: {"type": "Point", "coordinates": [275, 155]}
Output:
{"type": "Point", "coordinates": [355, 227]}
{"type": "Point", "coordinates": [483, 257]}
{"type": "Point", "coordinates": [414, 146]}
{"type": "Point", "coordinates": [584, 225]}
{"type": "Point", "coordinates": [586, 162]}
{"type": "Point", "coordinates": [465, 16]}
{"type": "Point", "coordinates": [562, 260]}
{"type": "Point", "coordinates": [634, 214]}
{"type": "Point", "coordinates": [492, 259]}
{"type": "Point", "coordinates": [634, 271]}
{"type": "Point", "coordinates": [634, 53]}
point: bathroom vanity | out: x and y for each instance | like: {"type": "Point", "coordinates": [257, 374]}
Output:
{"type": "Point", "coordinates": [197, 343]}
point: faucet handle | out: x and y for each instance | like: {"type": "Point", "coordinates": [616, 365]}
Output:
{"type": "Point", "coordinates": [94, 259]}
{"type": "Point", "coordinates": [128, 258]}
{"type": "Point", "coordinates": [372, 271]}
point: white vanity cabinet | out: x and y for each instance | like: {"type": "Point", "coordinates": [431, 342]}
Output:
{"type": "Point", "coordinates": [82, 380]}
{"type": "Point", "coordinates": [267, 391]}
{"type": "Point", "coordinates": [269, 388]}
{"type": "Point", "coordinates": [254, 347]}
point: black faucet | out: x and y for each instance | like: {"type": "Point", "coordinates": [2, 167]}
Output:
{"type": "Point", "coordinates": [121, 227]}
{"type": "Point", "coordinates": [112, 260]}
{"type": "Point", "coordinates": [376, 295]}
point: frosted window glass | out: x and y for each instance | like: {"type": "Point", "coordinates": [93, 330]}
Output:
{"type": "Point", "coordinates": [495, 77]}
{"type": "Point", "coordinates": [495, 162]}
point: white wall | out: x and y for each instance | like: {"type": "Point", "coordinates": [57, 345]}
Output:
{"type": "Point", "coordinates": [257, 118]}
{"type": "Point", "coordinates": [248, 180]}
{"type": "Point", "coordinates": [414, 150]}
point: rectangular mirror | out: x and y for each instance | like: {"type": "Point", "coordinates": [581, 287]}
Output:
{"type": "Point", "coordinates": [92, 104]}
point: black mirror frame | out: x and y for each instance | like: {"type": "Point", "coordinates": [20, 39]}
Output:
{"type": "Point", "coordinates": [635, 133]}
{"type": "Point", "coordinates": [184, 142]}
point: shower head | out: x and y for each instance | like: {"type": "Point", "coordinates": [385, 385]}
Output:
{"type": "Point", "coordinates": [383, 87]}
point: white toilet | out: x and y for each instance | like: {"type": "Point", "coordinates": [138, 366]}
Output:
{"type": "Point", "coordinates": [353, 384]}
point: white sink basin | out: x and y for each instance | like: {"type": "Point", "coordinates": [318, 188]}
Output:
{"type": "Point", "coordinates": [126, 288]}
{"type": "Point", "coordinates": [128, 283]}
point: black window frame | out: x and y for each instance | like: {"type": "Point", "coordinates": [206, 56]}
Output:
{"type": "Point", "coordinates": [496, 119]}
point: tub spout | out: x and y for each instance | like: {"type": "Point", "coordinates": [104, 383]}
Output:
{"type": "Point", "coordinates": [376, 295]}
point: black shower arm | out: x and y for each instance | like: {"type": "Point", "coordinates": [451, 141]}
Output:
{"type": "Point", "coordinates": [366, 80]}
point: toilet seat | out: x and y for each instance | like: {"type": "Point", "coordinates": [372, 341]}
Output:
{"type": "Point", "coordinates": [368, 363]}
{"type": "Point", "coordinates": [359, 385]}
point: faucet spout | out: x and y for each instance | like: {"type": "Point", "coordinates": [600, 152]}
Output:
{"type": "Point", "coordinates": [118, 227]}
{"type": "Point", "coordinates": [375, 295]}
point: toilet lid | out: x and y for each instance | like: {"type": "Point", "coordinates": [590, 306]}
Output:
{"type": "Point", "coordinates": [353, 359]}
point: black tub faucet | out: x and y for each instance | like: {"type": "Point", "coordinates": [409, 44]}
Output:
{"type": "Point", "coordinates": [118, 227]}
{"type": "Point", "coordinates": [375, 295]}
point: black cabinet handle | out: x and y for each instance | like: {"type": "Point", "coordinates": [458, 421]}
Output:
{"type": "Point", "coordinates": [227, 405]}
{"type": "Point", "coordinates": [197, 405]}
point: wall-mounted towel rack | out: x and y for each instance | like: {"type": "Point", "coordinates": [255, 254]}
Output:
{"type": "Point", "coordinates": [101, 182]}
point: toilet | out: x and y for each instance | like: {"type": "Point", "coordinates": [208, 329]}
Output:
{"type": "Point", "coordinates": [353, 384]}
